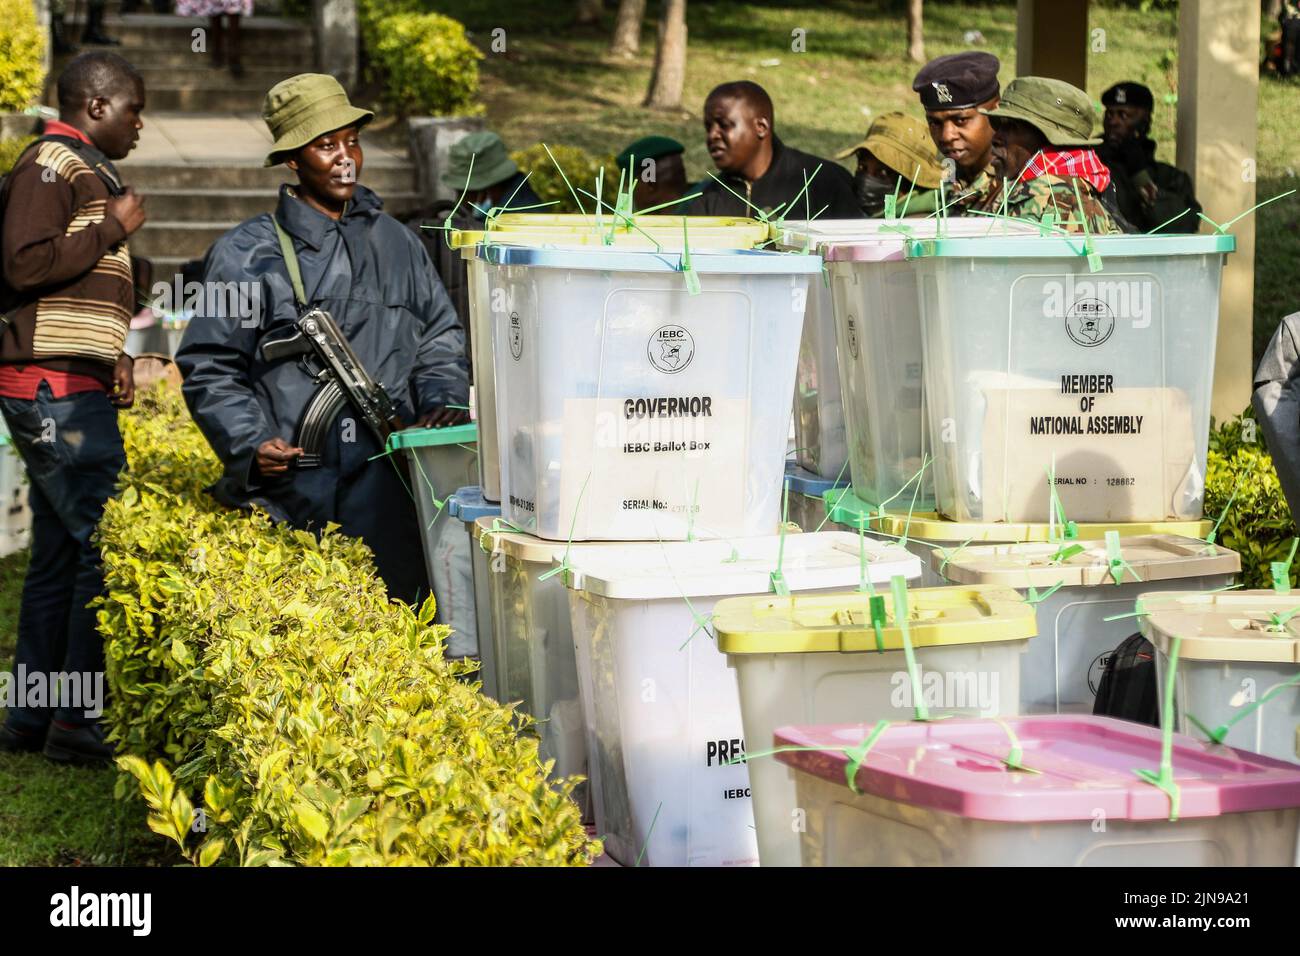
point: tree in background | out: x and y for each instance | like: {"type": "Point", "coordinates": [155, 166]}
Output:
{"type": "Point", "coordinates": [669, 74]}
{"type": "Point", "coordinates": [915, 40]}
{"type": "Point", "coordinates": [589, 11]}
{"type": "Point", "coordinates": [627, 28]}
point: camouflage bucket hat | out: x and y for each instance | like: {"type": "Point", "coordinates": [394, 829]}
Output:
{"type": "Point", "coordinates": [1061, 112]}
{"type": "Point", "coordinates": [903, 144]}
{"type": "Point", "coordinates": [299, 109]}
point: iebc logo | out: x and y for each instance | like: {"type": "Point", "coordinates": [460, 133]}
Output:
{"type": "Point", "coordinates": [516, 336]}
{"type": "Point", "coordinates": [671, 348]}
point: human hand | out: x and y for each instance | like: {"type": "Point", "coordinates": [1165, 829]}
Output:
{"type": "Point", "coordinates": [128, 209]}
{"type": "Point", "coordinates": [442, 416]}
{"type": "Point", "coordinates": [274, 456]}
{"type": "Point", "coordinates": [123, 393]}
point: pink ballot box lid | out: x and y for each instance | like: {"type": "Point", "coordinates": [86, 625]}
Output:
{"type": "Point", "coordinates": [1084, 764]}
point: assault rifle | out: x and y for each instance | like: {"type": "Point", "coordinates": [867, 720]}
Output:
{"type": "Point", "coordinates": [342, 379]}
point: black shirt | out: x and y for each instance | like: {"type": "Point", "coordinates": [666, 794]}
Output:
{"type": "Point", "coordinates": [831, 188]}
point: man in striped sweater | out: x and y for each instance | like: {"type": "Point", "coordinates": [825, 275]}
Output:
{"type": "Point", "coordinates": [63, 377]}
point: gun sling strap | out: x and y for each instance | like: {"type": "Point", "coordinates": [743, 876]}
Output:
{"type": "Point", "coordinates": [291, 263]}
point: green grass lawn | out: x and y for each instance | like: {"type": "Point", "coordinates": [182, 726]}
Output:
{"type": "Point", "coordinates": [61, 816]}
{"type": "Point", "coordinates": [554, 84]}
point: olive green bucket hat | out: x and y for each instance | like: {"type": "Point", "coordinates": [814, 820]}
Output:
{"type": "Point", "coordinates": [299, 109]}
{"type": "Point", "coordinates": [492, 164]}
{"type": "Point", "coordinates": [1061, 112]}
{"type": "Point", "coordinates": [903, 144]}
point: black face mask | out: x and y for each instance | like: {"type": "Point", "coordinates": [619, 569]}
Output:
{"type": "Point", "coordinates": [871, 192]}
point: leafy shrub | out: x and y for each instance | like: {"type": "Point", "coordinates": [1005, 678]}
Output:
{"type": "Point", "coordinates": [426, 63]}
{"type": "Point", "coordinates": [10, 150]}
{"type": "Point", "coordinates": [261, 674]}
{"type": "Point", "coordinates": [581, 168]}
{"type": "Point", "coordinates": [1257, 524]}
{"type": "Point", "coordinates": [22, 49]}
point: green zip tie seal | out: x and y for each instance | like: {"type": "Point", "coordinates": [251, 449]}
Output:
{"type": "Point", "coordinates": [865, 584]}
{"type": "Point", "coordinates": [858, 755]}
{"type": "Point", "coordinates": [1065, 553]}
{"type": "Point", "coordinates": [568, 546]}
{"type": "Point", "coordinates": [692, 277]}
{"type": "Point", "coordinates": [1015, 756]}
{"type": "Point", "coordinates": [879, 619]}
{"type": "Point", "coordinates": [646, 845]}
{"type": "Point", "coordinates": [1033, 598]}
{"type": "Point", "coordinates": [1164, 778]}
{"type": "Point", "coordinates": [1281, 570]}
{"type": "Point", "coordinates": [1218, 734]}
{"type": "Point", "coordinates": [898, 587]}
{"type": "Point", "coordinates": [1115, 560]}
{"type": "Point", "coordinates": [777, 578]}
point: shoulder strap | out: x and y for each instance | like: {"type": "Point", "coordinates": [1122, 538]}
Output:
{"type": "Point", "coordinates": [99, 164]}
{"type": "Point", "coordinates": [291, 262]}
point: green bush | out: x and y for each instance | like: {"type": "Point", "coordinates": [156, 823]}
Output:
{"type": "Point", "coordinates": [10, 150]}
{"type": "Point", "coordinates": [1257, 524]}
{"type": "Point", "coordinates": [262, 674]}
{"type": "Point", "coordinates": [22, 48]}
{"type": "Point", "coordinates": [426, 64]}
{"type": "Point", "coordinates": [581, 168]}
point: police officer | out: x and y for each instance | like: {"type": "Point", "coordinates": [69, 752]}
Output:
{"type": "Point", "coordinates": [955, 90]}
{"type": "Point", "coordinates": [1151, 194]}
{"type": "Point", "coordinates": [1043, 162]}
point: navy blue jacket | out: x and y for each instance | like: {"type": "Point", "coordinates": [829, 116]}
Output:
{"type": "Point", "coordinates": [369, 272]}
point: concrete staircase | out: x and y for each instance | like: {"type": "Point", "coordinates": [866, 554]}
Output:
{"type": "Point", "coordinates": [199, 159]}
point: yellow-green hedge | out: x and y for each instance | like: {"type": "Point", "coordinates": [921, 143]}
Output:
{"type": "Point", "coordinates": [426, 64]}
{"type": "Point", "coordinates": [581, 168]}
{"type": "Point", "coordinates": [22, 49]}
{"type": "Point", "coordinates": [262, 675]}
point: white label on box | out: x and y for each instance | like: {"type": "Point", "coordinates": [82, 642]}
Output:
{"type": "Point", "coordinates": [1119, 453]}
{"type": "Point", "coordinates": [664, 457]}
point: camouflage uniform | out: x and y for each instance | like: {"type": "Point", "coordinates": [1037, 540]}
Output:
{"type": "Point", "coordinates": [1036, 198]}
{"type": "Point", "coordinates": [965, 196]}
{"type": "Point", "coordinates": [1063, 115]}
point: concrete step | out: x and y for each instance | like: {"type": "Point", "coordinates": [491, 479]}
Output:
{"type": "Point", "coordinates": [236, 205]}
{"type": "Point", "coordinates": [383, 178]}
{"type": "Point", "coordinates": [230, 96]}
{"type": "Point", "coordinates": [258, 35]}
{"type": "Point", "coordinates": [298, 59]}
{"type": "Point", "coordinates": [201, 74]}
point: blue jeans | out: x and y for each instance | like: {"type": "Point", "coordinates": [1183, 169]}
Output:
{"type": "Point", "coordinates": [73, 452]}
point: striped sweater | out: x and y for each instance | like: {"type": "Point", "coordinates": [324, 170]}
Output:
{"type": "Point", "coordinates": [69, 258]}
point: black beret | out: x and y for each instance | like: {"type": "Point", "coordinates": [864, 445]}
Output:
{"type": "Point", "coordinates": [958, 81]}
{"type": "Point", "coordinates": [1128, 94]}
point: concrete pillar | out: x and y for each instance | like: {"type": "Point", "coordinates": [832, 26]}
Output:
{"type": "Point", "coordinates": [431, 138]}
{"type": "Point", "coordinates": [338, 41]}
{"type": "Point", "coordinates": [43, 18]}
{"type": "Point", "coordinates": [1218, 89]}
{"type": "Point", "coordinates": [1052, 40]}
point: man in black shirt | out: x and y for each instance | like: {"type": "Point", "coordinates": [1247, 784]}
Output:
{"type": "Point", "coordinates": [754, 164]}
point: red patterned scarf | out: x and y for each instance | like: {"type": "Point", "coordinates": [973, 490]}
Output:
{"type": "Point", "coordinates": [1082, 163]}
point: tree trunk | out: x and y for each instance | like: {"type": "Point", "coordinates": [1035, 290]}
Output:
{"type": "Point", "coordinates": [589, 11]}
{"type": "Point", "coordinates": [669, 74]}
{"type": "Point", "coordinates": [627, 28]}
{"type": "Point", "coordinates": [1272, 8]}
{"type": "Point", "coordinates": [915, 40]}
